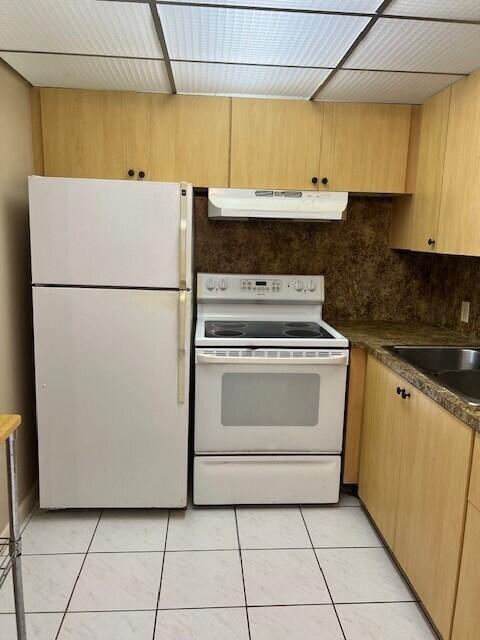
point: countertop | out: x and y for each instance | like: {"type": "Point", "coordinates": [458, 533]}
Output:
{"type": "Point", "coordinates": [8, 424]}
{"type": "Point", "coordinates": [373, 336]}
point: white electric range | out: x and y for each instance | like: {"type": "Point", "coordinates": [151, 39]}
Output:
{"type": "Point", "coordinates": [269, 392]}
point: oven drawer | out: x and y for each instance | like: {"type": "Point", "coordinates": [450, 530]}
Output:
{"type": "Point", "coordinates": [266, 479]}
{"type": "Point", "coordinates": [261, 401]}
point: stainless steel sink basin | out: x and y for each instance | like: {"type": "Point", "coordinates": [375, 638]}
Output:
{"type": "Point", "coordinates": [466, 383]}
{"type": "Point", "coordinates": [457, 368]}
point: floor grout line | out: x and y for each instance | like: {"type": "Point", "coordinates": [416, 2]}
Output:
{"type": "Point", "coordinates": [323, 574]}
{"type": "Point", "coordinates": [78, 576]}
{"type": "Point", "coordinates": [243, 575]}
{"type": "Point", "coordinates": [119, 552]}
{"type": "Point", "coordinates": [161, 575]}
{"type": "Point", "coordinates": [250, 606]}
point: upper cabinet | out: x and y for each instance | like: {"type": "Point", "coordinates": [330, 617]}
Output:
{"type": "Point", "coordinates": [190, 139]}
{"type": "Point", "coordinates": [276, 143]}
{"type": "Point", "coordinates": [442, 215]}
{"type": "Point", "coordinates": [459, 228]}
{"type": "Point", "coordinates": [328, 146]}
{"type": "Point", "coordinates": [137, 145]}
{"type": "Point", "coordinates": [220, 142]}
{"type": "Point", "coordinates": [125, 135]}
{"type": "Point", "coordinates": [365, 147]}
{"type": "Point", "coordinates": [417, 217]}
{"type": "Point", "coordinates": [430, 171]}
{"type": "Point", "coordinates": [83, 133]}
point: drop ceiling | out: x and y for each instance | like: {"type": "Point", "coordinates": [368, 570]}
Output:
{"type": "Point", "coordinates": [346, 50]}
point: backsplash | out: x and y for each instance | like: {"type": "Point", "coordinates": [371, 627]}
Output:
{"type": "Point", "coordinates": [453, 279]}
{"type": "Point", "coordinates": [364, 278]}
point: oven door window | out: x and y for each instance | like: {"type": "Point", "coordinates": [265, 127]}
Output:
{"type": "Point", "coordinates": [270, 399]}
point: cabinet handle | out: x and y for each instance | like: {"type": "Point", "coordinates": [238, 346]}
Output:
{"type": "Point", "coordinates": [431, 242]}
{"type": "Point", "coordinates": [131, 172]}
{"type": "Point", "coordinates": [405, 394]}
{"type": "Point", "coordinates": [314, 180]}
{"type": "Point", "coordinates": [400, 391]}
{"type": "Point", "coordinates": [141, 174]}
{"type": "Point", "coordinates": [324, 180]}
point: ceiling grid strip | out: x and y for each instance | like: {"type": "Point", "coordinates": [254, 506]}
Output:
{"type": "Point", "coordinates": [163, 45]}
{"type": "Point", "coordinates": [352, 47]}
{"type": "Point", "coordinates": [233, 64]}
{"type": "Point", "coordinates": [331, 12]}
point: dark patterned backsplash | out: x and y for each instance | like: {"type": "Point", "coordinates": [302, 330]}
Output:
{"type": "Point", "coordinates": [364, 278]}
{"type": "Point", "coordinates": [453, 279]}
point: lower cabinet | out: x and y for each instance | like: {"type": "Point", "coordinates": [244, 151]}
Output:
{"type": "Point", "coordinates": [380, 454]}
{"type": "Point", "coordinates": [354, 415]}
{"type": "Point", "coordinates": [432, 492]}
{"type": "Point", "coordinates": [414, 473]}
{"type": "Point", "coordinates": [466, 624]}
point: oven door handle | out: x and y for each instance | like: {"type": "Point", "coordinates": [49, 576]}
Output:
{"type": "Point", "coordinates": [211, 358]}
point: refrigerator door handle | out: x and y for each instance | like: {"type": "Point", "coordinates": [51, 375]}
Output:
{"type": "Point", "coordinates": [182, 267]}
{"type": "Point", "coordinates": [182, 317]}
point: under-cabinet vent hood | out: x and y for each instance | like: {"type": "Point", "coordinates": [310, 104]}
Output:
{"type": "Point", "coordinates": [241, 204]}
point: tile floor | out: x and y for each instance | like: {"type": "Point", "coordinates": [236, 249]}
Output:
{"type": "Point", "coordinates": [278, 573]}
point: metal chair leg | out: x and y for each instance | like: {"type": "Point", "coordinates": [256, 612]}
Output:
{"type": "Point", "coordinates": [15, 538]}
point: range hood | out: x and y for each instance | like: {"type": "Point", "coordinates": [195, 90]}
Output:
{"type": "Point", "coordinates": [241, 204]}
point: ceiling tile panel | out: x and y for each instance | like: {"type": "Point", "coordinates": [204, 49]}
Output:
{"type": "Point", "coordinates": [377, 86]}
{"type": "Point", "coordinates": [417, 45]}
{"type": "Point", "coordinates": [354, 6]}
{"type": "Point", "coordinates": [238, 80]}
{"type": "Point", "coordinates": [262, 37]}
{"type": "Point", "coordinates": [452, 9]}
{"type": "Point", "coordinates": [80, 72]}
{"type": "Point", "coordinates": [78, 26]}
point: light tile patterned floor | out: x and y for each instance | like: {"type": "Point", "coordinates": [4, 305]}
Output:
{"type": "Point", "coordinates": [266, 573]}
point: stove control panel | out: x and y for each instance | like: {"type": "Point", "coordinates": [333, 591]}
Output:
{"type": "Point", "coordinates": [243, 288]}
{"type": "Point", "coordinates": [262, 286]}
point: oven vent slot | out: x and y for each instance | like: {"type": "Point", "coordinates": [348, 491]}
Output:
{"type": "Point", "coordinates": [278, 353]}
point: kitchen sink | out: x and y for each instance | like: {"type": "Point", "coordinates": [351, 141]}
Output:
{"type": "Point", "coordinates": [457, 368]}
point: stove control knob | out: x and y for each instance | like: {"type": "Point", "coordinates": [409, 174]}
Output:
{"type": "Point", "coordinates": [312, 285]}
{"type": "Point", "coordinates": [223, 285]}
{"type": "Point", "coordinates": [210, 284]}
{"type": "Point", "coordinates": [298, 285]}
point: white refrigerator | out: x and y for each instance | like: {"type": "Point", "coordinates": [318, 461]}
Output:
{"type": "Point", "coordinates": [111, 273]}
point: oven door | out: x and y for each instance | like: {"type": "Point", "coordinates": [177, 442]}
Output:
{"type": "Point", "coordinates": [260, 401]}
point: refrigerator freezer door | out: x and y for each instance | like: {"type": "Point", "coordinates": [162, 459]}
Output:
{"type": "Point", "coordinates": [110, 233]}
{"type": "Point", "coordinates": [112, 429]}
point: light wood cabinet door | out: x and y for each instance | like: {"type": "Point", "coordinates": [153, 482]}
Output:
{"type": "Point", "coordinates": [83, 133]}
{"type": "Point", "coordinates": [136, 116]}
{"type": "Point", "coordinates": [384, 418]}
{"type": "Point", "coordinates": [431, 505]}
{"type": "Point", "coordinates": [354, 418]}
{"type": "Point", "coordinates": [431, 156]}
{"type": "Point", "coordinates": [459, 227]}
{"type": "Point", "coordinates": [365, 147]}
{"type": "Point", "coordinates": [190, 139]}
{"type": "Point", "coordinates": [474, 492]}
{"type": "Point", "coordinates": [275, 143]}
{"type": "Point", "coordinates": [466, 622]}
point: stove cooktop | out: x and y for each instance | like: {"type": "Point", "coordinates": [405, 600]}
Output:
{"type": "Point", "coordinates": [264, 329]}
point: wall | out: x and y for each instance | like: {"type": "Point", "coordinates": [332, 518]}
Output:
{"type": "Point", "coordinates": [453, 279]}
{"type": "Point", "coordinates": [16, 361]}
{"type": "Point", "coordinates": [363, 277]}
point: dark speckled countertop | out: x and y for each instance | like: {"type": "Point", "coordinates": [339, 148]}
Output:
{"type": "Point", "coordinates": [374, 335]}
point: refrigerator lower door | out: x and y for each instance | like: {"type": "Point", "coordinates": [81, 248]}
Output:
{"type": "Point", "coordinates": [112, 403]}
